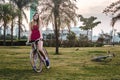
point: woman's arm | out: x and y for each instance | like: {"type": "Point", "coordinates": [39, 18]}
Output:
{"type": "Point", "coordinates": [40, 28]}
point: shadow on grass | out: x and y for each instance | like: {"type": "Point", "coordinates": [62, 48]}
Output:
{"type": "Point", "coordinates": [97, 51]}
{"type": "Point", "coordinates": [15, 74]}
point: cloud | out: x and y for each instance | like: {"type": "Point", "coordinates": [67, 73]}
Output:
{"type": "Point", "coordinates": [95, 8]}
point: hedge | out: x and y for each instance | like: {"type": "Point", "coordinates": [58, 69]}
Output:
{"type": "Point", "coordinates": [15, 43]}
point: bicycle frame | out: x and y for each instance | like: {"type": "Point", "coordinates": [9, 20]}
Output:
{"type": "Point", "coordinates": [39, 58]}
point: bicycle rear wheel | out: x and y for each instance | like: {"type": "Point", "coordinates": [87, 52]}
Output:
{"type": "Point", "coordinates": [36, 61]}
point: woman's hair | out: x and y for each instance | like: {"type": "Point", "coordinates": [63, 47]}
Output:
{"type": "Point", "coordinates": [33, 20]}
{"type": "Point", "coordinates": [37, 19]}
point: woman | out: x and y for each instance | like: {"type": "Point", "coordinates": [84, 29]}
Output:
{"type": "Point", "coordinates": [35, 33]}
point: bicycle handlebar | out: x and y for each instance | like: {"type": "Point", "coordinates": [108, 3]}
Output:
{"type": "Point", "coordinates": [29, 43]}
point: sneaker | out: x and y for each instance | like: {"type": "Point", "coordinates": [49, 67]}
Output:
{"type": "Point", "coordinates": [47, 64]}
{"type": "Point", "coordinates": [34, 68]}
{"type": "Point", "coordinates": [48, 67]}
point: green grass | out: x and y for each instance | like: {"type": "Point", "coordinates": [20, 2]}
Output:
{"type": "Point", "coordinates": [71, 64]}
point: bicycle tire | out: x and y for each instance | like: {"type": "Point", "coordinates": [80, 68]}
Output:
{"type": "Point", "coordinates": [35, 60]}
{"type": "Point", "coordinates": [46, 53]}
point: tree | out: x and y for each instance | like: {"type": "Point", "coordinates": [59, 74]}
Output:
{"type": "Point", "coordinates": [71, 37]}
{"type": "Point", "coordinates": [118, 34]}
{"type": "Point", "coordinates": [21, 4]}
{"type": "Point", "coordinates": [82, 40]}
{"type": "Point", "coordinates": [100, 41]}
{"type": "Point", "coordinates": [0, 30]}
{"type": "Point", "coordinates": [58, 12]}
{"type": "Point", "coordinates": [113, 9]}
{"type": "Point", "coordinates": [14, 14]}
{"type": "Point", "coordinates": [88, 23]}
{"type": "Point", "coordinates": [5, 17]}
{"type": "Point", "coordinates": [107, 37]}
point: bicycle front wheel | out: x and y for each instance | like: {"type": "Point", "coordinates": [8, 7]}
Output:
{"type": "Point", "coordinates": [36, 61]}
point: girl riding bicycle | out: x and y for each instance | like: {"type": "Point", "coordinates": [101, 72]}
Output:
{"type": "Point", "coordinates": [35, 33]}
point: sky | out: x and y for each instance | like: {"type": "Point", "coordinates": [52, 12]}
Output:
{"type": "Point", "coordinates": [95, 8]}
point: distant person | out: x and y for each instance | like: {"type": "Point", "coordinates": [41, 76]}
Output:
{"type": "Point", "coordinates": [35, 33]}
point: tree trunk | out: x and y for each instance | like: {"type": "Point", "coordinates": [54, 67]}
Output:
{"type": "Point", "coordinates": [87, 35]}
{"type": "Point", "coordinates": [4, 38]}
{"type": "Point", "coordinates": [56, 34]}
{"type": "Point", "coordinates": [91, 34]}
{"type": "Point", "coordinates": [12, 33]}
{"type": "Point", "coordinates": [19, 27]}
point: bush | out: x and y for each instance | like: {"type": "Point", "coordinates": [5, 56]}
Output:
{"type": "Point", "coordinates": [15, 43]}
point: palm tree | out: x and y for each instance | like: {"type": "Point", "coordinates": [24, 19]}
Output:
{"type": "Point", "coordinates": [21, 4]}
{"type": "Point", "coordinates": [14, 14]}
{"type": "Point", "coordinates": [5, 17]}
{"type": "Point", "coordinates": [113, 9]}
{"type": "Point", "coordinates": [58, 12]}
{"type": "Point", "coordinates": [85, 24]}
{"type": "Point", "coordinates": [92, 24]}
{"type": "Point", "coordinates": [88, 23]}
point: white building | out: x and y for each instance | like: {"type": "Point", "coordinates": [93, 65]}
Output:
{"type": "Point", "coordinates": [63, 33]}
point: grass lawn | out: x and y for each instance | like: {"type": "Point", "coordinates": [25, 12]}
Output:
{"type": "Point", "coordinates": [71, 64]}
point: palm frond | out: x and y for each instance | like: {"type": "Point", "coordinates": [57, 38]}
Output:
{"type": "Point", "coordinates": [25, 16]}
{"type": "Point", "coordinates": [3, 1]}
{"type": "Point", "coordinates": [114, 19]}
{"type": "Point", "coordinates": [112, 8]}
{"type": "Point", "coordinates": [65, 11]}
{"type": "Point", "coordinates": [22, 3]}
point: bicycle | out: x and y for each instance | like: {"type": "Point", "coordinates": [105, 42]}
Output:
{"type": "Point", "coordinates": [36, 59]}
{"type": "Point", "coordinates": [106, 58]}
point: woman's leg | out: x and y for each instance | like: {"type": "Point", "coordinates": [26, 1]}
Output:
{"type": "Point", "coordinates": [40, 47]}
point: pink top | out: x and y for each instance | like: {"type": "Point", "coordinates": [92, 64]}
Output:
{"type": "Point", "coordinates": [35, 33]}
